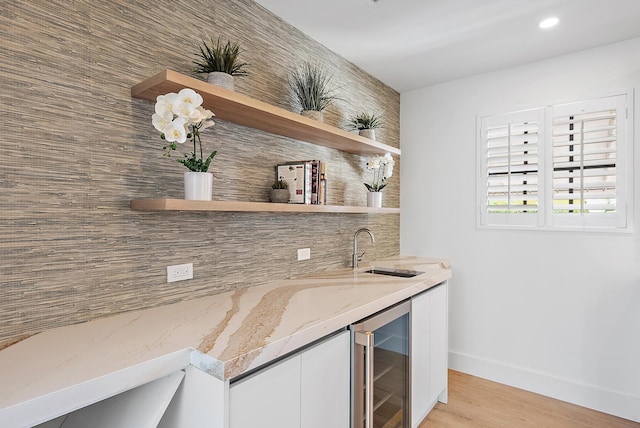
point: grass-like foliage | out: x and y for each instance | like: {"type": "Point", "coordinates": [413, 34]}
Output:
{"type": "Point", "coordinates": [219, 56]}
{"type": "Point", "coordinates": [280, 184]}
{"type": "Point", "coordinates": [365, 120]}
{"type": "Point", "coordinates": [311, 87]}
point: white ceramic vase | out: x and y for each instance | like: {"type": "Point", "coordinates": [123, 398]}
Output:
{"type": "Point", "coordinates": [224, 80]}
{"type": "Point", "coordinates": [368, 133]}
{"type": "Point", "coordinates": [313, 114]}
{"type": "Point", "coordinates": [374, 199]}
{"type": "Point", "coordinates": [198, 186]}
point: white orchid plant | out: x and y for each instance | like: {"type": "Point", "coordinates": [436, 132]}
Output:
{"type": "Point", "coordinates": [179, 117]}
{"type": "Point", "coordinates": [382, 167]}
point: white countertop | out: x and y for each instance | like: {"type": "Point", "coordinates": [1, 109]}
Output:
{"type": "Point", "coordinates": [225, 335]}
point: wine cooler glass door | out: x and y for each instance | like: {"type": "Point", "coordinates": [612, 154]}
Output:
{"type": "Point", "coordinates": [381, 370]}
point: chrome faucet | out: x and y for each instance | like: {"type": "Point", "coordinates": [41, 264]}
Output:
{"type": "Point", "coordinates": [358, 257]}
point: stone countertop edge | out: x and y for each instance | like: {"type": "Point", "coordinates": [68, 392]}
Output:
{"type": "Point", "coordinates": [224, 335]}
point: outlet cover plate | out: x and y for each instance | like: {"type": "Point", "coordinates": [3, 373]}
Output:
{"type": "Point", "coordinates": [179, 272]}
{"type": "Point", "coordinates": [304, 254]}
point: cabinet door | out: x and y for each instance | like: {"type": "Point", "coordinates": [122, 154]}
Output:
{"type": "Point", "coordinates": [199, 402]}
{"type": "Point", "coordinates": [325, 384]}
{"type": "Point", "coordinates": [420, 357]}
{"type": "Point", "coordinates": [138, 407]}
{"type": "Point", "coordinates": [429, 349]}
{"type": "Point", "coordinates": [439, 345]}
{"type": "Point", "coordinates": [269, 398]}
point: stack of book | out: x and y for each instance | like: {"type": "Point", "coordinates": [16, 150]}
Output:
{"type": "Point", "coordinates": [307, 181]}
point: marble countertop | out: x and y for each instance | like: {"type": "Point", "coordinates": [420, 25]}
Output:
{"type": "Point", "coordinates": [225, 335]}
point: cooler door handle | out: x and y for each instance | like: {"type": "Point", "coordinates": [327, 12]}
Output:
{"type": "Point", "coordinates": [365, 338]}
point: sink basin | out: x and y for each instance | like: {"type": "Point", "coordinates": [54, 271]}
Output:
{"type": "Point", "coordinates": [394, 272]}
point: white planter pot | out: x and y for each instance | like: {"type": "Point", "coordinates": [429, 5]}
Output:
{"type": "Point", "coordinates": [313, 114]}
{"type": "Point", "coordinates": [198, 186]}
{"type": "Point", "coordinates": [221, 79]}
{"type": "Point", "coordinates": [279, 196]}
{"type": "Point", "coordinates": [374, 199]}
{"type": "Point", "coordinates": [368, 133]}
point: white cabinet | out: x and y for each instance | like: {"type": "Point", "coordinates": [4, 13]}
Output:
{"type": "Point", "coordinates": [429, 348]}
{"type": "Point", "coordinates": [325, 384]}
{"type": "Point", "coordinates": [439, 350]}
{"type": "Point", "coordinates": [198, 403]}
{"type": "Point", "coordinates": [269, 398]}
{"type": "Point", "coordinates": [142, 407]}
{"type": "Point", "coordinates": [307, 390]}
{"type": "Point", "coordinates": [420, 357]}
{"type": "Point", "coordinates": [187, 398]}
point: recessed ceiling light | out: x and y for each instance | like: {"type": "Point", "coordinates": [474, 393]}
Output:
{"type": "Point", "coordinates": [549, 22]}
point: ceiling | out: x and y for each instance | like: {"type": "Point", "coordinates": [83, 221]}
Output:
{"type": "Point", "coordinates": [410, 44]}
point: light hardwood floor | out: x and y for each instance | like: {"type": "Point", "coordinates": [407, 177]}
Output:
{"type": "Point", "coordinates": [480, 403]}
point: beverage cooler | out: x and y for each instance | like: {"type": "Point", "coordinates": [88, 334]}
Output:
{"type": "Point", "coordinates": [380, 380]}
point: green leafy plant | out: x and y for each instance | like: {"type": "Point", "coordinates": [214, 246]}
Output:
{"type": "Point", "coordinates": [280, 184]}
{"type": "Point", "coordinates": [365, 120]}
{"type": "Point", "coordinates": [311, 87]}
{"type": "Point", "coordinates": [222, 57]}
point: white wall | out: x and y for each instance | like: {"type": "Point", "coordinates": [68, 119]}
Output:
{"type": "Point", "coordinates": [566, 325]}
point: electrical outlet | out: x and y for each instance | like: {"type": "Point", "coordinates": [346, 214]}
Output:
{"type": "Point", "coordinates": [179, 272]}
{"type": "Point", "coordinates": [304, 254]}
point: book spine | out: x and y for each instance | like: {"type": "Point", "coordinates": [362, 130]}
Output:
{"type": "Point", "coordinates": [308, 174]}
{"type": "Point", "coordinates": [315, 180]}
{"type": "Point", "coordinates": [322, 185]}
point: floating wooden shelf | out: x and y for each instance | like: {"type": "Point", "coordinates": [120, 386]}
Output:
{"type": "Point", "coordinates": [235, 206]}
{"type": "Point", "coordinates": [243, 110]}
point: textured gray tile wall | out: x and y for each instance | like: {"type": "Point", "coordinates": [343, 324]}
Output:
{"type": "Point", "coordinates": [76, 148]}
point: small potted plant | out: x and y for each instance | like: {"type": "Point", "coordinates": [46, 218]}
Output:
{"type": "Point", "coordinates": [312, 89]}
{"type": "Point", "coordinates": [366, 124]}
{"type": "Point", "coordinates": [280, 192]}
{"type": "Point", "coordinates": [221, 61]}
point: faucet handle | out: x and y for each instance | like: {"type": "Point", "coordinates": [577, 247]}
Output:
{"type": "Point", "coordinates": [360, 256]}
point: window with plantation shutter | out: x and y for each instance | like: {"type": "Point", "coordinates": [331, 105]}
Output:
{"type": "Point", "coordinates": [588, 178]}
{"type": "Point", "coordinates": [510, 167]}
{"type": "Point", "coordinates": [563, 166]}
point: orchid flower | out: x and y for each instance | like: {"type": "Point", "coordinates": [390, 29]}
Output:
{"type": "Point", "coordinates": [382, 167]}
{"type": "Point", "coordinates": [179, 117]}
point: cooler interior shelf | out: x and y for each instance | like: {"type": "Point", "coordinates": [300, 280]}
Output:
{"type": "Point", "coordinates": [243, 110]}
{"type": "Point", "coordinates": [166, 204]}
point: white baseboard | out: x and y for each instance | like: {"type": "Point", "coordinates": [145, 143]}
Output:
{"type": "Point", "coordinates": [603, 400]}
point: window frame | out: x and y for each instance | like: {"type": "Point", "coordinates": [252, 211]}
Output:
{"type": "Point", "coordinates": [545, 218]}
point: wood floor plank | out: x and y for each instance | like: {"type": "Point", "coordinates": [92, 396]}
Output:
{"type": "Point", "coordinates": [479, 403]}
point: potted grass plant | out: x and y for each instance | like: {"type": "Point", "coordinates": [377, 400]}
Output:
{"type": "Point", "coordinates": [312, 89]}
{"type": "Point", "coordinates": [366, 124]}
{"type": "Point", "coordinates": [280, 192]}
{"type": "Point", "coordinates": [221, 62]}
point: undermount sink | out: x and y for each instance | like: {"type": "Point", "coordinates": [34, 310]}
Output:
{"type": "Point", "coordinates": [394, 272]}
